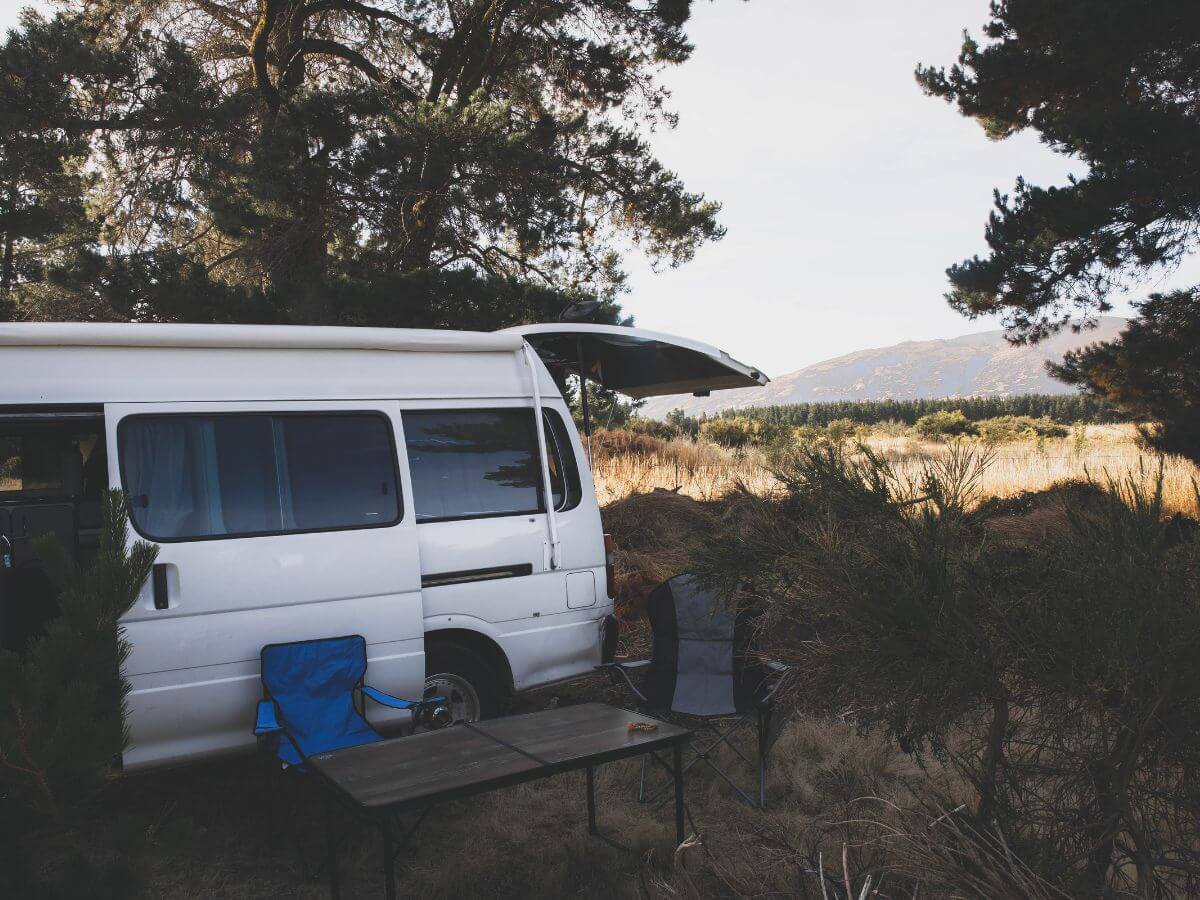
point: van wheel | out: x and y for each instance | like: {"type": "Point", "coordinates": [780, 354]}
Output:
{"type": "Point", "coordinates": [461, 676]}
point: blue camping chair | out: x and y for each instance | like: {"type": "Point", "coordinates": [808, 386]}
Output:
{"type": "Point", "coordinates": [313, 703]}
{"type": "Point", "coordinates": [313, 699]}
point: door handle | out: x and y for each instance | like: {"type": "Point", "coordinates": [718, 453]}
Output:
{"type": "Point", "coordinates": [158, 586]}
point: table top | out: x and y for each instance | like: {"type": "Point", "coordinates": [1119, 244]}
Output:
{"type": "Point", "coordinates": [471, 759]}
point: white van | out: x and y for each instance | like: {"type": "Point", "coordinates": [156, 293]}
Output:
{"type": "Point", "coordinates": [303, 482]}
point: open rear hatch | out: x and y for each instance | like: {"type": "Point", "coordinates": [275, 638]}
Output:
{"type": "Point", "coordinates": [636, 362]}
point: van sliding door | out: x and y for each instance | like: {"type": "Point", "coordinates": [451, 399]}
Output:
{"type": "Point", "coordinates": [275, 522]}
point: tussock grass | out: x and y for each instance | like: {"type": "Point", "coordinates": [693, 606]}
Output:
{"type": "Point", "coordinates": [706, 472]}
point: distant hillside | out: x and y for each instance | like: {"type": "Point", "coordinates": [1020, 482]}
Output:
{"type": "Point", "coordinates": [974, 365]}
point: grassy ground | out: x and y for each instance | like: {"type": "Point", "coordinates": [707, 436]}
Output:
{"type": "Point", "coordinates": [834, 793]}
{"type": "Point", "coordinates": [207, 829]}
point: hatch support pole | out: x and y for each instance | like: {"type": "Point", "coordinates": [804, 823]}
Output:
{"type": "Point", "coordinates": [539, 426]}
{"type": "Point", "coordinates": [583, 400]}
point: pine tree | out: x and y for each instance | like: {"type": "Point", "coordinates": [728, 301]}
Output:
{"type": "Point", "coordinates": [62, 714]}
{"type": "Point", "coordinates": [342, 161]}
{"type": "Point", "coordinates": [1115, 84]}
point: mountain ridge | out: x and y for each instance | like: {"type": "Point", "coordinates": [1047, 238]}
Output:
{"type": "Point", "coordinates": [971, 365]}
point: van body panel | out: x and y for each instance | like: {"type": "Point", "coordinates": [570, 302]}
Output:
{"type": "Point", "coordinates": [551, 649]}
{"type": "Point", "coordinates": [105, 374]}
{"type": "Point", "coordinates": [193, 666]}
{"type": "Point", "coordinates": [511, 541]}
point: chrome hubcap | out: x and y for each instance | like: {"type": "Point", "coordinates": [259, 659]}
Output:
{"type": "Point", "coordinates": [461, 698]}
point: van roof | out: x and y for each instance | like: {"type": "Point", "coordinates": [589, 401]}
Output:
{"type": "Point", "coordinates": [314, 337]}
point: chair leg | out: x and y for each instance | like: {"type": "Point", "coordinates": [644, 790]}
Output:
{"type": "Point", "coordinates": [764, 721]}
{"type": "Point", "coordinates": [707, 753]}
{"type": "Point", "coordinates": [389, 859]}
{"type": "Point", "coordinates": [591, 800]}
{"type": "Point", "coordinates": [677, 759]}
{"type": "Point", "coordinates": [642, 782]}
{"type": "Point", "coordinates": [331, 860]}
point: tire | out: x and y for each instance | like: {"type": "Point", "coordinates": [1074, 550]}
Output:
{"type": "Point", "coordinates": [456, 672]}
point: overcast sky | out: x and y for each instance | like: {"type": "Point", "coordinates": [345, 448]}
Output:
{"type": "Point", "coordinates": [847, 192]}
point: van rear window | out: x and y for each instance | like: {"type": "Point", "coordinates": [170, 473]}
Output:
{"type": "Point", "coordinates": [476, 463]}
{"type": "Point", "coordinates": [243, 474]}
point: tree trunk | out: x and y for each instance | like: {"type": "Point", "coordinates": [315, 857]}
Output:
{"type": "Point", "coordinates": [1102, 832]}
{"type": "Point", "coordinates": [993, 760]}
{"type": "Point", "coordinates": [8, 270]}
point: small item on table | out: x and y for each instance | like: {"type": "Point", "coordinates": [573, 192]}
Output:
{"type": "Point", "coordinates": [641, 726]}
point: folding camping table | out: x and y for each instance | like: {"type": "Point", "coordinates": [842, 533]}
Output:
{"type": "Point", "coordinates": [380, 779]}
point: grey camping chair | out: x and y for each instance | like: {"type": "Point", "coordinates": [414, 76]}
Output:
{"type": "Point", "coordinates": [697, 674]}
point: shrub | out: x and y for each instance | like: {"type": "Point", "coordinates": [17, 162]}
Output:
{"type": "Point", "coordinates": [61, 722]}
{"type": "Point", "coordinates": [1003, 429]}
{"type": "Point", "coordinates": [942, 424]}
{"type": "Point", "coordinates": [739, 432]}
{"type": "Point", "coordinates": [841, 429]}
{"type": "Point", "coordinates": [651, 428]}
{"type": "Point", "coordinates": [1062, 678]}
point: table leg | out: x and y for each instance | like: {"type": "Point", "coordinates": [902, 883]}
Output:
{"type": "Point", "coordinates": [389, 859]}
{"type": "Point", "coordinates": [677, 758]}
{"type": "Point", "coordinates": [331, 860]}
{"type": "Point", "coordinates": [591, 800]}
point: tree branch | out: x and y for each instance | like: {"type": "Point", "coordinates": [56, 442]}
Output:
{"type": "Point", "coordinates": [354, 7]}
{"type": "Point", "coordinates": [259, 38]}
{"type": "Point", "coordinates": [324, 47]}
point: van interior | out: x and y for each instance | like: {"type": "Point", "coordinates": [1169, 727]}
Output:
{"type": "Point", "coordinates": [53, 474]}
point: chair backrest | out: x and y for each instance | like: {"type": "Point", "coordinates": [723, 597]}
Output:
{"type": "Point", "coordinates": [693, 669]}
{"type": "Point", "coordinates": [313, 685]}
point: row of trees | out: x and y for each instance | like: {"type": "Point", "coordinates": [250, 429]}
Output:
{"type": "Point", "coordinates": [442, 163]}
{"type": "Point", "coordinates": [1062, 408]}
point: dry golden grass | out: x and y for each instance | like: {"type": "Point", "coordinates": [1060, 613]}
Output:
{"type": "Point", "coordinates": [701, 471]}
{"type": "Point", "coordinates": [706, 472]}
{"type": "Point", "coordinates": [1102, 452]}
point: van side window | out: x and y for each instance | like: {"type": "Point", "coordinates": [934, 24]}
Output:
{"type": "Point", "coordinates": [477, 463]}
{"type": "Point", "coordinates": [244, 474]}
{"type": "Point", "coordinates": [564, 473]}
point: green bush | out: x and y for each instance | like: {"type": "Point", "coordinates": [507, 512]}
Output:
{"type": "Point", "coordinates": [1003, 429]}
{"type": "Point", "coordinates": [739, 432]}
{"type": "Point", "coordinates": [841, 429]}
{"type": "Point", "coordinates": [942, 424]}
{"type": "Point", "coordinates": [62, 715]}
{"type": "Point", "coordinates": [651, 428]}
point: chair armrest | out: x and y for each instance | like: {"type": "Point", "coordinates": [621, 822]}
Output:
{"type": "Point", "coordinates": [266, 720]}
{"type": "Point", "coordinates": [615, 669]}
{"type": "Point", "coordinates": [387, 699]}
